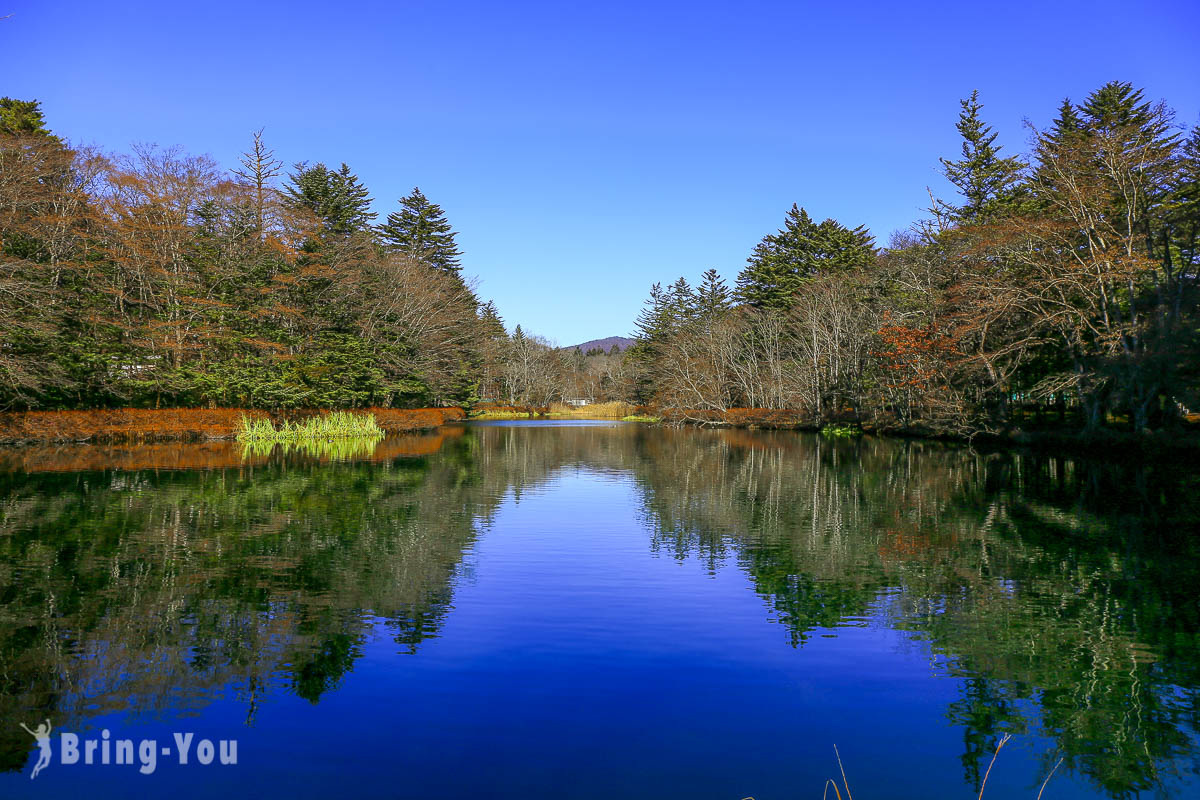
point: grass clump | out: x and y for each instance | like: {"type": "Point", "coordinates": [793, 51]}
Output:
{"type": "Point", "coordinates": [336, 425]}
{"type": "Point", "coordinates": [343, 449]}
{"type": "Point", "coordinates": [611, 410]}
{"type": "Point", "coordinates": [640, 418]}
{"type": "Point", "coordinates": [841, 431]}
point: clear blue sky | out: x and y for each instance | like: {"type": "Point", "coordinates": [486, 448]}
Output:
{"type": "Point", "coordinates": [586, 150]}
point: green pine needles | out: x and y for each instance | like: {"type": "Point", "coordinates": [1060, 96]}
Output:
{"type": "Point", "coordinates": [336, 425]}
{"type": "Point", "coordinates": [420, 229]}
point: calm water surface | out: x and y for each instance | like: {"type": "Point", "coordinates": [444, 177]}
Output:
{"type": "Point", "coordinates": [602, 610]}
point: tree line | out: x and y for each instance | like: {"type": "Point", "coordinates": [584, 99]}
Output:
{"type": "Point", "coordinates": [1061, 287]}
{"type": "Point", "coordinates": [158, 279]}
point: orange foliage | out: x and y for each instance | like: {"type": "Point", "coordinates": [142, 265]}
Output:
{"type": "Point", "coordinates": [914, 357]}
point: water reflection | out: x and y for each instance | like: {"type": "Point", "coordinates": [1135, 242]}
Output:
{"type": "Point", "coordinates": [1063, 594]}
{"type": "Point", "coordinates": [151, 579]}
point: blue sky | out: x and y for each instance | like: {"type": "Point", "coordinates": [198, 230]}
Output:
{"type": "Point", "coordinates": [586, 150]}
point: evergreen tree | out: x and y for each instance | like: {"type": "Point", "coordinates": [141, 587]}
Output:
{"type": "Point", "coordinates": [988, 182]}
{"type": "Point", "coordinates": [1068, 123]}
{"type": "Point", "coordinates": [784, 261]}
{"type": "Point", "coordinates": [1063, 134]}
{"type": "Point", "coordinates": [22, 118]}
{"type": "Point", "coordinates": [490, 322]}
{"type": "Point", "coordinates": [337, 199]}
{"type": "Point", "coordinates": [682, 303]}
{"type": "Point", "coordinates": [712, 295]}
{"type": "Point", "coordinates": [1117, 104]}
{"type": "Point", "coordinates": [653, 320]}
{"type": "Point", "coordinates": [420, 229]}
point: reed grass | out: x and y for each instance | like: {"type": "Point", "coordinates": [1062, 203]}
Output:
{"type": "Point", "coordinates": [325, 427]}
{"type": "Point", "coordinates": [611, 410]}
{"type": "Point", "coordinates": [840, 431]}
{"type": "Point", "coordinates": [341, 449]}
{"type": "Point", "coordinates": [982, 786]}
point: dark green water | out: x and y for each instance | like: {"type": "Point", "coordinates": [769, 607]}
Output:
{"type": "Point", "coordinates": [603, 610]}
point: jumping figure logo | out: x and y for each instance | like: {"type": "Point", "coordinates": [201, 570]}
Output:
{"type": "Point", "coordinates": [143, 754]}
{"type": "Point", "coordinates": [42, 734]}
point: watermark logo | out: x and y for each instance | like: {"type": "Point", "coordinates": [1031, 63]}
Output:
{"type": "Point", "coordinates": [72, 750]}
{"type": "Point", "coordinates": [42, 735]}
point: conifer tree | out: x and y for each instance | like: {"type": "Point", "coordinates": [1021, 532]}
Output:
{"type": "Point", "coordinates": [712, 295]}
{"type": "Point", "coordinates": [490, 322]}
{"type": "Point", "coordinates": [653, 320]}
{"type": "Point", "coordinates": [682, 303]}
{"type": "Point", "coordinates": [988, 182]}
{"type": "Point", "coordinates": [22, 118]}
{"type": "Point", "coordinates": [1063, 134]}
{"type": "Point", "coordinates": [1068, 122]}
{"type": "Point", "coordinates": [421, 230]}
{"type": "Point", "coordinates": [784, 261]}
{"type": "Point", "coordinates": [337, 199]}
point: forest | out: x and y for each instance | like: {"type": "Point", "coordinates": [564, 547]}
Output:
{"type": "Point", "coordinates": [1058, 288]}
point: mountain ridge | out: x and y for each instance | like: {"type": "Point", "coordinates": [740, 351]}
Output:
{"type": "Point", "coordinates": [605, 344]}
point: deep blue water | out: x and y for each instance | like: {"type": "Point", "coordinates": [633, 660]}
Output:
{"type": "Point", "coordinates": [603, 610]}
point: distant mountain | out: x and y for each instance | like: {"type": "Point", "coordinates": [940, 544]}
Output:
{"type": "Point", "coordinates": [622, 343]}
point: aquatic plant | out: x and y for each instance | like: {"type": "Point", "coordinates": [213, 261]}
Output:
{"type": "Point", "coordinates": [335, 425]}
{"type": "Point", "coordinates": [982, 786]}
{"type": "Point", "coordinates": [840, 431]}
{"type": "Point", "coordinates": [345, 448]}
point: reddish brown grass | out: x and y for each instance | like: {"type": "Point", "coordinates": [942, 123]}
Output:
{"type": "Point", "coordinates": [77, 457]}
{"type": "Point", "coordinates": [186, 424]}
{"type": "Point", "coordinates": [483, 409]}
{"type": "Point", "coordinates": [741, 417]}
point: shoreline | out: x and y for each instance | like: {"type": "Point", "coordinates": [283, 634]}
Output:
{"type": "Point", "coordinates": [128, 425]}
{"type": "Point", "coordinates": [139, 425]}
{"type": "Point", "coordinates": [1165, 445]}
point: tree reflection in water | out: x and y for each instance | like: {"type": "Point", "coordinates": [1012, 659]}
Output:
{"type": "Point", "coordinates": [1061, 593]}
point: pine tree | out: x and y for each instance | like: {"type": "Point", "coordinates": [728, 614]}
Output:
{"type": "Point", "coordinates": [337, 199]}
{"type": "Point", "coordinates": [1117, 104]}
{"type": "Point", "coordinates": [420, 229]}
{"type": "Point", "coordinates": [652, 321]}
{"type": "Point", "coordinates": [22, 118]}
{"type": "Point", "coordinates": [786, 260]}
{"type": "Point", "coordinates": [490, 322]}
{"type": "Point", "coordinates": [838, 248]}
{"type": "Point", "coordinates": [989, 183]}
{"type": "Point", "coordinates": [1064, 134]}
{"type": "Point", "coordinates": [1121, 127]}
{"type": "Point", "coordinates": [712, 295]}
{"type": "Point", "coordinates": [682, 303]}
{"type": "Point", "coordinates": [1068, 123]}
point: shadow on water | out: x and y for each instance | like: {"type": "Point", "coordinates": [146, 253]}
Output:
{"type": "Point", "coordinates": [1062, 594]}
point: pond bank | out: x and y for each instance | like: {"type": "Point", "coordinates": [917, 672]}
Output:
{"type": "Point", "coordinates": [183, 424]}
{"type": "Point", "coordinates": [1184, 442]}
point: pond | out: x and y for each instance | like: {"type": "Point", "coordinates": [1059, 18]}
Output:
{"type": "Point", "coordinates": [595, 610]}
